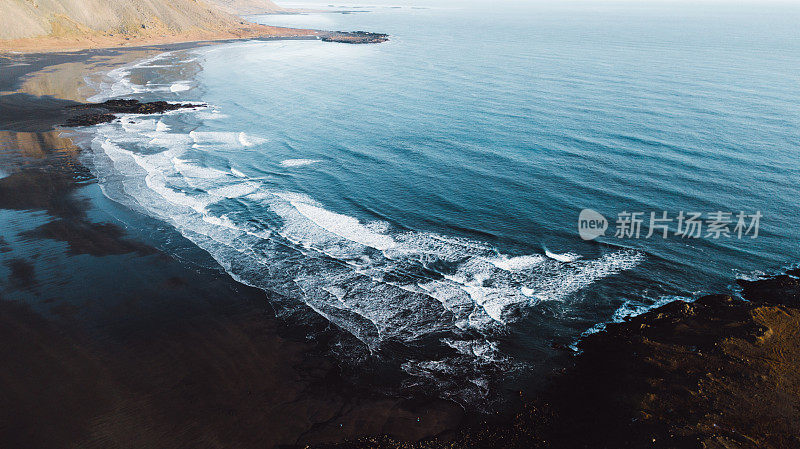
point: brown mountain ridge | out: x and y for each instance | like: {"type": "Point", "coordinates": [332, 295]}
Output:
{"type": "Point", "coordinates": [43, 25]}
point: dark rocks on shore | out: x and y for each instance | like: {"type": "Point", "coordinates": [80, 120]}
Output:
{"type": "Point", "coordinates": [137, 107]}
{"type": "Point", "coordinates": [355, 37]}
{"type": "Point", "coordinates": [90, 119]}
{"type": "Point", "coordinates": [720, 372]}
{"type": "Point", "coordinates": [784, 288]}
{"type": "Point", "coordinates": [104, 112]}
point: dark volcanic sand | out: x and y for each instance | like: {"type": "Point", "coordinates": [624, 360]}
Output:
{"type": "Point", "coordinates": [107, 341]}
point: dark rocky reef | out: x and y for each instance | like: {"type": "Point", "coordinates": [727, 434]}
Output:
{"type": "Point", "coordinates": [104, 112]}
{"type": "Point", "coordinates": [785, 289]}
{"type": "Point", "coordinates": [137, 107]}
{"type": "Point", "coordinates": [355, 37]}
{"type": "Point", "coordinates": [721, 372]}
{"type": "Point", "coordinates": [90, 119]}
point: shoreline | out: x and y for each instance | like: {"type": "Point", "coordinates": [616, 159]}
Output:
{"type": "Point", "coordinates": [56, 45]}
{"type": "Point", "coordinates": [92, 40]}
{"type": "Point", "coordinates": [186, 322]}
{"type": "Point", "coordinates": [716, 372]}
{"type": "Point", "coordinates": [250, 323]}
{"type": "Point", "coordinates": [33, 46]}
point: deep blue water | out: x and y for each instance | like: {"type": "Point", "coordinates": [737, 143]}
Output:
{"type": "Point", "coordinates": [423, 194]}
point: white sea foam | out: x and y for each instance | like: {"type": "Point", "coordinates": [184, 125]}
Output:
{"type": "Point", "coordinates": [373, 281]}
{"type": "Point", "coordinates": [210, 113]}
{"type": "Point", "coordinates": [564, 257]}
{"type": "Point", "coordinates": [215, 139]}
{"type": "Point", "coordinates": [180, 87]}
{"type": "Point", "coordinates": [117, 82]}
{"type": "Point", "coordinates": [346, 227]}
{"type": "Point", "coordinates": [161, 127]}
{"type": "Point", "coordinates": [517, 263]}
{"type": "Point", "coordinates": [478, 290]}
{"type": "Point", "coordinates": [298, 162]}
{"type": "Point", "coordinates": [193, 172]}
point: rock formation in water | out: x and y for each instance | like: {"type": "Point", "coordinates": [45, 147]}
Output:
{"type": "Point", "coordinates": [355, 37]}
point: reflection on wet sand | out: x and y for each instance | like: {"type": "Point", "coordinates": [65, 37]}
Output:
{"type": "Point", "coordinates": [44, 174]}
{"type": "Point", "coordinates": [36, 145]}
{"type": "Point", "coordinates": [72, 80]}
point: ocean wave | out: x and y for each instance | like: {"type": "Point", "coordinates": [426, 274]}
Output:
{"type": "Point", "coordinates": [468, 282]}
{"type": "Point", "coordinates": [381, 285]}
{"type": "Point", "coordinates": [117, 82]}
{"type": "Point", "coordinates": [565, 257]}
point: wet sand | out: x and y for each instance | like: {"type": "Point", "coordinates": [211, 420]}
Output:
{"type": "Point", "coordinates": [110, 341]}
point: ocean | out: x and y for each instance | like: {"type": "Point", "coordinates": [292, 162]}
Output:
{"type": "Point", "coordinates": [421, 197]}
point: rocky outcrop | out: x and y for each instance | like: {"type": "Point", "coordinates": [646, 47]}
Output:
{"type": "Point", "coordinates": [137, 107]}
{"type": "Point", "coordinates": [784, 289]}
{"type": "Point", "coordinates": [355, 37]}
{"type": "Point", "coordinates": [104, 112]}
{"type": "Point", "coordinates": [89, 119]}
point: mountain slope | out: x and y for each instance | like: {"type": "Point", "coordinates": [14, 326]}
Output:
{"type": "Point", "coordinates": [37, 25]}
{"type": "Point", "coordinates": [32, 18]}
{"type": "Point", "coordinates": [245, 7]}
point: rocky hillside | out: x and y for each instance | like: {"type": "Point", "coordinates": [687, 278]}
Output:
{"type": "Point", "coordinates": [36, 25]}
{"type": "Point", "coordinates": [33, 18]}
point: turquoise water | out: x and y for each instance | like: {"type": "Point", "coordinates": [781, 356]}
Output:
{"type": "Point", "coordinates": [422, 195]}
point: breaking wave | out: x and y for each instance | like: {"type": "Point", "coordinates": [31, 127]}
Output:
{"type": "Point", "coordinates": [380, 284]}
